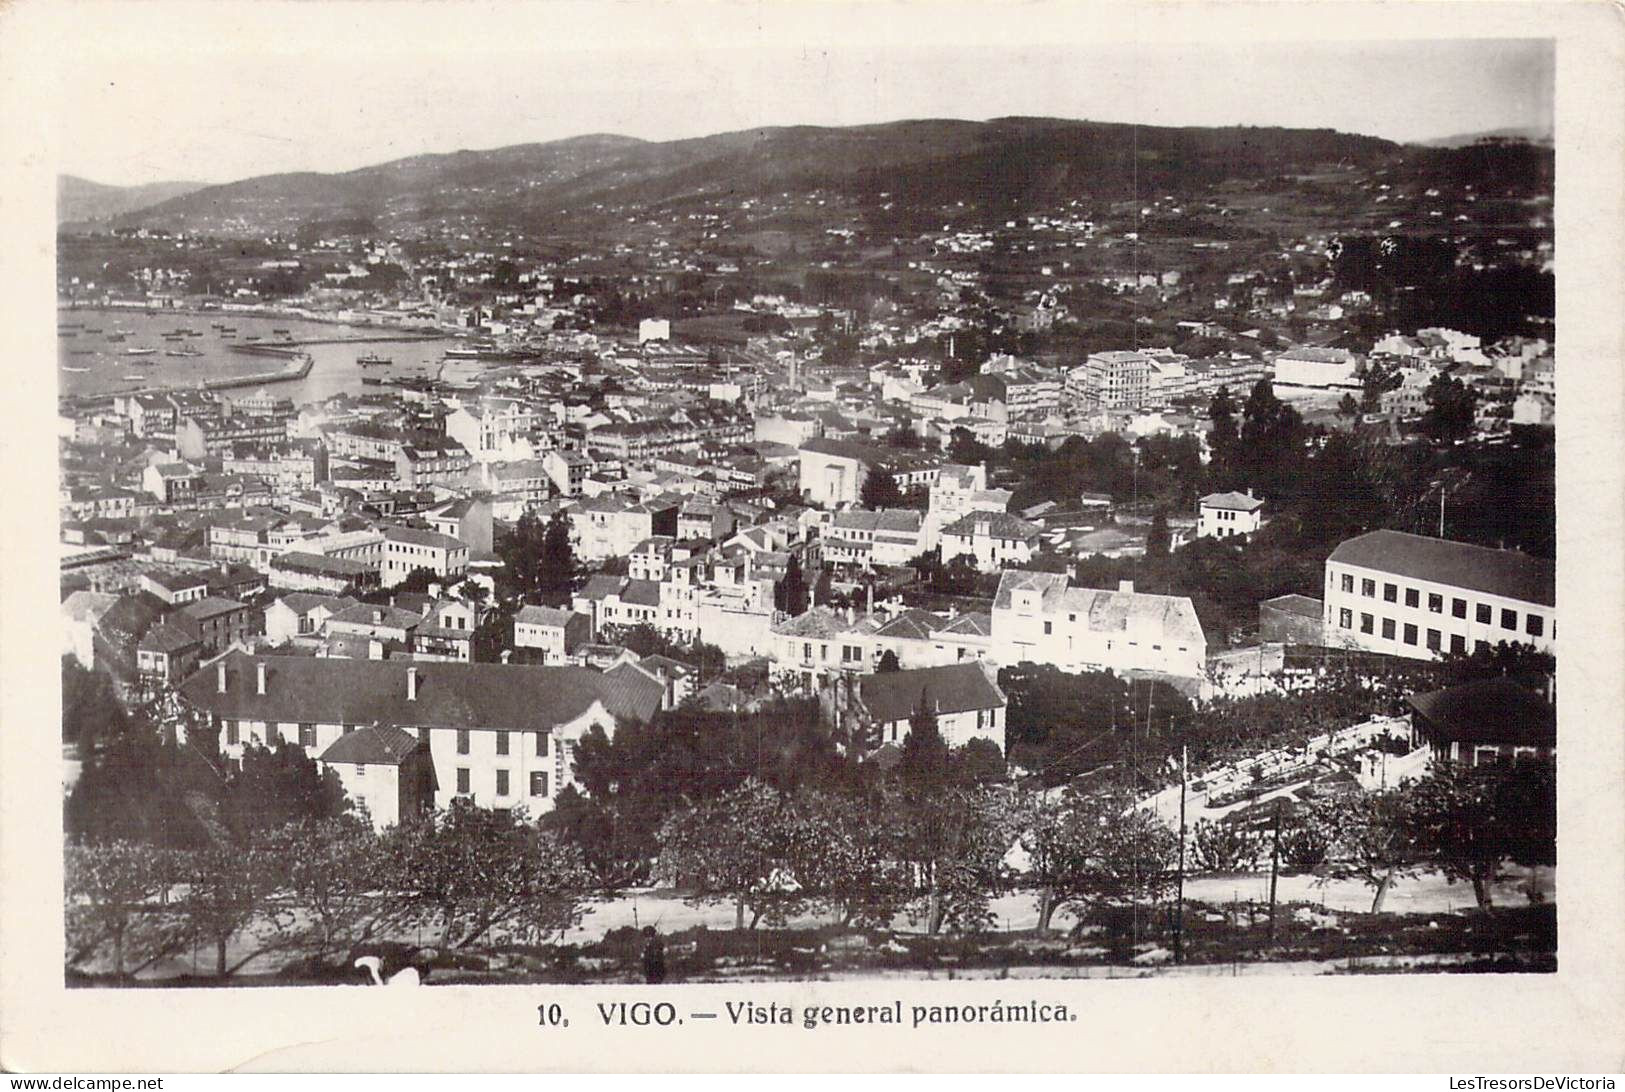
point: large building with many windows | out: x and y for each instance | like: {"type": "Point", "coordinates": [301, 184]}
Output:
{"type": "Point", "coordinates": [1410, 595]}
{"type": "Point", "coordinates": [496, 735]}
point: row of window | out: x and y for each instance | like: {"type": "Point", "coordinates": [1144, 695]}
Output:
{"type": "Point", "coordinates": [1534, 624]}
{"type": "Point", "coordinates": [307, 737]}
{"type": "Point", "coordinates": [1411, 633]}
{"type": "Point", "coordinates": [538, 782]}
{"type": "Point", "coordinates": [463, 742]}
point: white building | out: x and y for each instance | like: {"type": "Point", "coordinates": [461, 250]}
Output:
{"type": "Point", "coordinates": [1037, 618]}
{"type": "Point", "coordinates": [891, 536]}
{"type": "Point", "coordinates": [406, 549]}
{"type": "Point", "coordinates": [1410, 595]}
{"type": "Point", "coordinates": [996, 540]}
{"type": "Point", "coordinates": [651, 329]}
{"type": "Point", "coordinates": [554, 633]}
{"type": "Point", "coordinates": [1314, 367]}
{"type": "Point", "coordinates": [498, 735]}
{"type": "Point", "coordinates": [1224, 515]}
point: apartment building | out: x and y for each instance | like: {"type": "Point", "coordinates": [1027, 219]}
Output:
{"type": "Point", "coordinates": [1420, 597]}
{"type": "Point", "coordinates": [406, 549]}
{"type": "Point", "coordinates": [1038, 618]}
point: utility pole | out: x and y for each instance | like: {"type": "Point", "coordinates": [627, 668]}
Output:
{"type": "Point", "coordinates": [1275, 867]}
{"type": "Point", "coordinates": [1179, 893]}
{"type": "Point", "coordinates": [1441, 511]}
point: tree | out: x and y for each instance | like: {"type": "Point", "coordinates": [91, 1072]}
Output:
{"type": "Point", "coordinates": [843, 855]}
{"type": "Point", "coordinates": [91, 711]}
{"type": "Point", "coordinates": [1222, 847]}
{"type": "Point", "coordinates": [112, 893]}
{"type": "Point", "coordinates": [1449, 416]}
{"type": "Point", "coordinates": [418, 581]}
{"type": "Point", "coordinates": [954, 838]}
{"type": "Point", "coordinates": [332, 876]}
{"type": "Point", "coordinates": [880, 490]}
{"type": "Point", "coordinates": [966, 450]}
{"type": "Point", "coordinates": [228, 889]}
{"type": "Point", "coordinates": [1158, 539]}
{"type": "Point", "coordinates": [1468, 821]}
{"type": "Point", "coordinates": [1223, 437]}
{"type": "Point", "coordinates": [558, 568]}
{"type": "Point", "coordinates": [790, 594]}
{"type": "Point", "coordinates": [278, 785]}
{"type": "Point", "coordinates": [1377, 380]}
{"type": "Point", "coordinates": [735, 848]}
{"type": "Point", "coordinates": [1348, 407]}
{"type": "Point", "coordinates": [887, 663]}
{"type": "Point", "coordinates": [1366, 840]}
{"type": "Point", "coordinates": [473, 871]}
{"type": "Point", "coordinates": [539, 558]}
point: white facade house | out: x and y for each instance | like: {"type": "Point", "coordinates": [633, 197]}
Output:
{"type": "Point", "coordinates": [1037, 618]}
{"type": "Point", "coordinates": [1225, 515]}
{"type": "Point", "coordinates": [406, 549]}
{"type": "Point", "coordinates": [996, 540]}
{"type": "Point", "coordinates": [552, 632]}
{"type": "Point", "coordinates": [893, 536]}
{"type": "Point", "coordinates": [498, 735]}
{"type": "Point", "coordinates": [1419, 597]}
{"type": "Point", "coordinates": [1316, 367]}
{"type": "Point", "coordinates": [650, 329]}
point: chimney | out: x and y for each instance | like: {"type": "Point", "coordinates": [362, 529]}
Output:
{"type": "Point", "coordinates": [375, 649]}
{"type": "Point", "coordinates": [869, 598]}
{"type": "Point", "coordinates": [506, 654]}
{"type": "Point", "coordinates": [1126, 586]}
{"type": "Point", "coordinates": [411, 684]}
{"type": "Point", "coordinates": [1249, 492]}
{"type": "Point", "coordinates": [220, 677]}
{"type": "Point", "coordinates": [378, 614]}
{"type": "Point", "coordinates": [259, 677]}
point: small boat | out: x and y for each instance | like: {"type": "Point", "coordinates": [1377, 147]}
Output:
{"type": "Point", "coordinates": [68, 369]}
{"type": "Point", "coordinates": [139, 352]}
{"type": "Point", "coordinates": [81, 352]}
{"type": "Point", "coordinates": [115, 338]}
{"type": "Point", "coordinates": [463, 354]}
{"type": "Point", "coordinates": [279, 330]}
{"type": "Point", "coordinates": [67, 333]}
{"type": "Point", "coordinates": [252, 337]}
{"type": "Point", "coordinates": [136, 375]}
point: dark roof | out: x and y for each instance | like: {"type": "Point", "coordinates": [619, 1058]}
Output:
{"type": "Point", "coordinates": [177, 581]}
{"type": "Point", "coordinates": [330, 690]}
{"type": "Point", "coordinates": [1487, 711]}
{"type": "Point", "coordinates": [209, 607]}
{"type": "Point", "coordinates": [167, 639]}
{"type": "Point", "coordinates": [298, 561]}
{"type": "Point", "coordinates": [629, 693]}
{"type": "Point", "coordinates": [953, 688]}
{"type": "Point", "coordinates": [372, 614]}
{"type": "Point", "coordinates": [379, 745]}
{"type": "Point", "coordinates": [1459, 564]}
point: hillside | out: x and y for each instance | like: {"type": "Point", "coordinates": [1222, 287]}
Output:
{"type": "Point", "coordinates": [80, 200]}
{"type": "Point", "coordinates": [995, 165]}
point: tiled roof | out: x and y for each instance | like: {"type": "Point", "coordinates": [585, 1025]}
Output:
{"type": "Point", "coordinates": [414, 537]}
{"type": "Point", "coordinates": [1240, 502]}
{"type": "Point", "coordinates": [916, 625]}
{"type": "Point", "coordinates": [371, 614]}
{"type": "Point", "coordinates": [642, 593]}
{"type": "Point", "coordinates": [209, 607]}
{"type": "Point", "coordinates": [305, 602]}
{"type": "Point", "coordinates": [817, 622]}
{"type": "Point", "coordinates": [530, 615]}
{"type": "Point", "coordinates": [1457, 564]}
{"type": "Point", "coordinates": [1301, 605]}
{"type": "Point", "coordinates": [377, 745]}
{"type": "Point", "coordinates": [953, 688]}
{"type": "Point", "coordinates": [450, 695]}
{"type": "Point", "coordinates": [166, 638]}
{"type": "Point", "coordinates": [975, 624]}
{"type": "Point", "coordinates": [998, 524]}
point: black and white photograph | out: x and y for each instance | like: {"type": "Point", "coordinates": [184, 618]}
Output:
{"type": "Point", "coordinates": [571, 500]}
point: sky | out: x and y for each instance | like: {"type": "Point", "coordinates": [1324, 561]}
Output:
{"type": "Point", "coordinates": [152, 90]}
